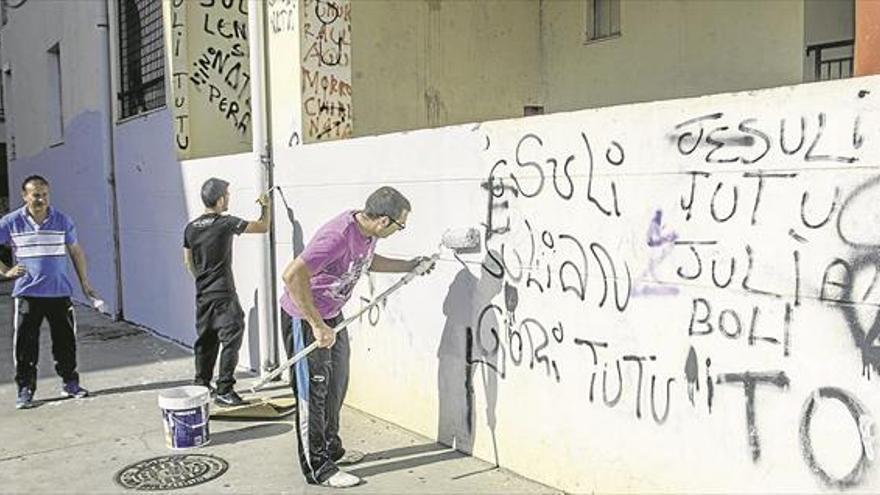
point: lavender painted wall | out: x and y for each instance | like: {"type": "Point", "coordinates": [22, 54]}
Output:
{"type": "Point", "coordinates": [157, 291]}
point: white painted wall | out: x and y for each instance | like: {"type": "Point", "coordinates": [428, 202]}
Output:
{"type": "Point", "coordinates": [75, 166]}
{"type": "Point", "coordinates": [531, 408]}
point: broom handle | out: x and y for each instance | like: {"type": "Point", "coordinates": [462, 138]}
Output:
{"type": "Point", "coordinates": [418, 270]}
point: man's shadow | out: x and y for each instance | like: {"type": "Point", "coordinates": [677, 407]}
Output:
{"type": "Point", "coordinates": [298, 245]}
{"type": "Point", "coordinates": [470, 340]}
{"type": "Point", "coordinates": [296, 231]}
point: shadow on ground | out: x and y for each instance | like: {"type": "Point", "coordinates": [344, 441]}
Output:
{"type": "Point", "coordinates": [413, 458]}
{"type": "Point", "coordinates": [250, 433]}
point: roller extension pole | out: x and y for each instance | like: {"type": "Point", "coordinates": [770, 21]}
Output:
{"type": "Point", "coordinates": [419, 270]}
{"type": "Point", "coordinates": [460, 240]}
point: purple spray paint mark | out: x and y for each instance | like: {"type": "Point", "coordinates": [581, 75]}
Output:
{"type": "Point", "coordinates": [665, 242]}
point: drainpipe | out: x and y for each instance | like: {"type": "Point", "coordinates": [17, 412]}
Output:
{"type": "Point", "coordinates": [108, 150]}
{"type": "Point", "coordinates": [266, 298]}
{"type": "Point", "coordinates": [266, 74]}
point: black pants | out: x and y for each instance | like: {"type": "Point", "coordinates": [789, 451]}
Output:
{"type": "Point", "coordinates": [220, 327]}
{"type": "Point", "coordinates": [29, 315]}
{"type": "Point", "coordinates": [319, 385]}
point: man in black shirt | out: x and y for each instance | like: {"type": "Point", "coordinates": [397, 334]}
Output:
{"type": "Point", "coordinates": [207, 243]}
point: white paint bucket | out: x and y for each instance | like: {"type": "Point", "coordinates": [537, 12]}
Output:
{"type": "Point", "coordinates": [185, 415]}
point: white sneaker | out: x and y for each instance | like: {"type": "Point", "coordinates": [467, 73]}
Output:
{"type": "Point", "coordinates": [341, 480]}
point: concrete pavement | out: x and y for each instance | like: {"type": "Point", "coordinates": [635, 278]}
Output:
{"type": "Point", "coordinates": [78, 446]}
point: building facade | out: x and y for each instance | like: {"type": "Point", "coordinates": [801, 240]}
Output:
{"type": "Point", "coordinates": [672, 296]}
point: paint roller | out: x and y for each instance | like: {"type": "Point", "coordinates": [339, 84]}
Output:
{"type": "Point", "coordinates": [456, 240]}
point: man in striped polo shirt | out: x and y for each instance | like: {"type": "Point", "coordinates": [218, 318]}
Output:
{"type": "Point", "coordinates": [41, 238]}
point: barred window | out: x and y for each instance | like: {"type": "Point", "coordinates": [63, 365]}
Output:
{"type": "Point", "coordinates": [603, 19]}
{"type": "Point", "coordinates": [141, 56]}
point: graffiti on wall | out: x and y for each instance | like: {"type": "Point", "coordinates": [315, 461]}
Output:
{"type": "Point", "coordinates": [219, 70]}
{"type": "Point", "coordinates": [282, 16]}
{"type": "Point", "coordinates": [326, 70]}
{"type": "Point", "coordinates": [735, 247]}
{"type": "Point", "coordinates": [179, 76]}
{"type": "Point", "coordinates": [283, 39]}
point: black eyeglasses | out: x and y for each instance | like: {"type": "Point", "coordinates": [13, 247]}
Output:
{"type": "Point", "coordinates": [400, 226]}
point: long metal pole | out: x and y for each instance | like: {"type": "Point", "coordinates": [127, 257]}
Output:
{"type": "Point", "coordinates": [110, 154]}
{"type": "Point", "coordinates": [265, 300]}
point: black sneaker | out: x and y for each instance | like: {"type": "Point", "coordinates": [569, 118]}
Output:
{"type": "Point", "coordinates": [229, 399]}
{"type": "Point", "coordinates": [25, 399]}
{"type": "Point", "coordinates": [73, 390]}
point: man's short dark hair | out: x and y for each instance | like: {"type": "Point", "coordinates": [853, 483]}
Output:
{"type": "Point", "coordinates": [33, 178]}
{"type": "Point", "coordinates": [212, 190]}
{"type": "Point", "coordinates": [386, 201]}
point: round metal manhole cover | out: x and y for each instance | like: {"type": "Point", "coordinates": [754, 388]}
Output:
{"type": "Point", "coordinates": [171, 472]}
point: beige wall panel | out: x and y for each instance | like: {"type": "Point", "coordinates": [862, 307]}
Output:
{"type": "Point", "coordinates": [175, 12]}
{"type": "Point", "coordinates": [325, 41]}
{"type": "Point", "coordinates": [217, 68]}
{"type": "Point", "coordinates": [429, 63]}
{"type": "Point", "coordinates": [670, 49]}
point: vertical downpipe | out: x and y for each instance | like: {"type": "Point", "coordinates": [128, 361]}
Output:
{"type": "Point", "coordinates": [274, 351]}
{"type": "Point", "coordinates": [109, 151]}
{"type": "Point", "coordinates": [266, 299]}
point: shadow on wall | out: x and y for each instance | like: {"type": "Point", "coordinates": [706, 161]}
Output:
{"type": "Point", "coordinates": [469, 341]}
{"type": "Point", "coordinates": [253, 328]}
{"type": "Point", "coordinates": [296, 236]}
{"type": "Point", "coordinates": [253, 322]}
{"type": "Point", "coordinates": [298, 244]}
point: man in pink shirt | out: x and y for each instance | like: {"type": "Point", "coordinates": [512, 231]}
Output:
{"type": "Point", "coordinates": [318, 283]}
